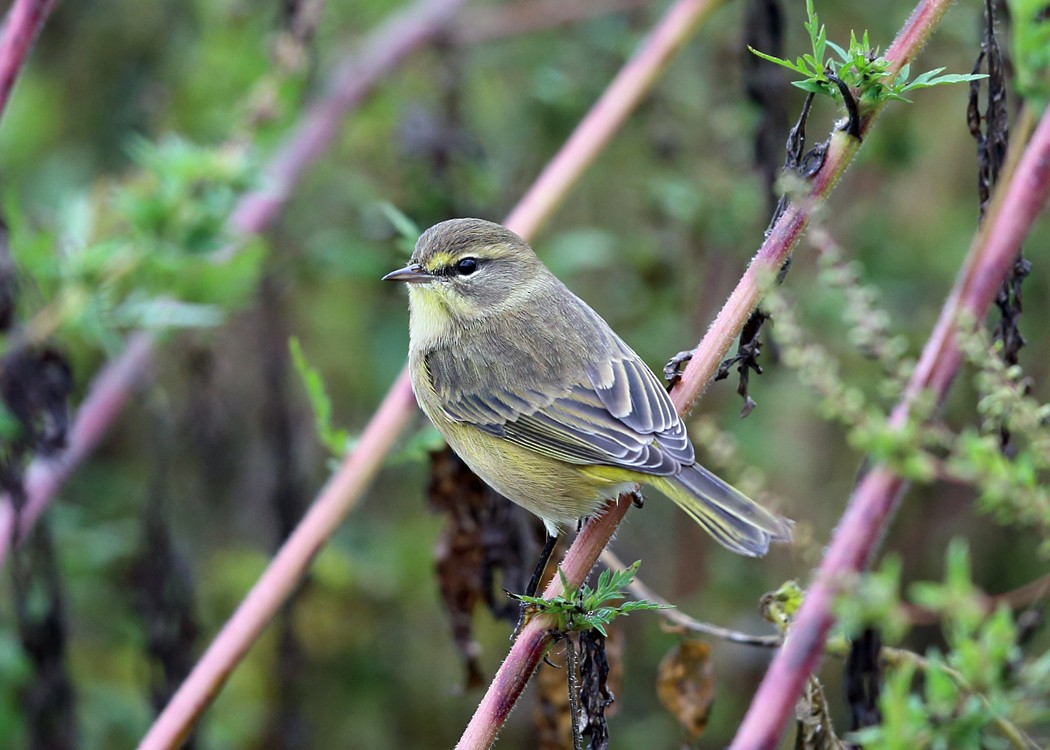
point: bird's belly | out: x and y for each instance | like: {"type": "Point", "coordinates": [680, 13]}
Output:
{"type": "Point", "coordinates": [555, 491]}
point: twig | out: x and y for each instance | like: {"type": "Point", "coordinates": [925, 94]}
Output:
{"type": "Point", "coordinates": [876, 496]}
{"type": "Point", "coordinates": [355, 76]}
{"type": "Point", "coordinates": [683, 621]}
{"type": "Point", "coordinates": [21, 26]}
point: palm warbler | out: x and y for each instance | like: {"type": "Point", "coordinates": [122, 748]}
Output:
{"type": "Point", "coordinates": [540, 397]}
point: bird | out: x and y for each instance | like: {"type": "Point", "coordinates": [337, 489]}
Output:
{"type": "Point", "coordinates": [542, 399]}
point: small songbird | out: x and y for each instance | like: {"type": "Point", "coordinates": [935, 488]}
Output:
{"type": "Point", "coordinates": [540, 397]}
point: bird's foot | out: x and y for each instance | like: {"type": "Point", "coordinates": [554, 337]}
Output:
{"type": "Point", "coordinates": [674, 366]}
{"type": "Point", "coordinates": [527, 611]}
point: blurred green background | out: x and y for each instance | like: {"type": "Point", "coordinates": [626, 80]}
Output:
{"type": "Point", "coordinates": [654, 238]}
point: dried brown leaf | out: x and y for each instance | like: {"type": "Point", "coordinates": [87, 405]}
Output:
{"type": "Point", "coordinates": [685, 685]}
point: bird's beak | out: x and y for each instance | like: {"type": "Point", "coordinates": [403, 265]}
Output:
{"type": "Point", "coordinates": [412, 273]}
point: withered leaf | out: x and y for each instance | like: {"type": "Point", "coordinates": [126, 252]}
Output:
{"type": "Point", "coordinates": [488, 544]}
{"type": "Point", "coordinates": [685, 685]}
{"type": "Point", "coordinates": [553, 715]}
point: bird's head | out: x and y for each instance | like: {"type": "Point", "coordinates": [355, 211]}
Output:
{"type": "Point", "coordinates": [464, 270]}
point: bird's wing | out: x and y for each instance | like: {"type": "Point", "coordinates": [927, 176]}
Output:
{"type": "Point", "coordinates": [620, 416]}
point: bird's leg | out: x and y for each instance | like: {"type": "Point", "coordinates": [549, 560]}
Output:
{"type": "Point", "coordinates": [637, 500]}
{"type": "Point", "coordinates": [541, 565]}
{"type": "Point", "coordinates": [534, 582]}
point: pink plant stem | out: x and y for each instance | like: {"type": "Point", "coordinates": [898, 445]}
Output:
{"type": "Point", "coordinates": [354, 77]}
{"type": "Point", "coordinates": [871, 507]}
{"type": "Point", "coordinates": [283, 574]}
{"type": "Point", "coordinates": [21, 26]}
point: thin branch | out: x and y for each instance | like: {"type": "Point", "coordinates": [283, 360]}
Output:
{"type": "Point", "coordinates": [876, 496]}
{"type": "Point", "coordinates": [533, 641]}
{"type": "Point", "coordinates": [680, 620]}
{"type": "Point", "coordinates": [21, 26]}
{"type": "Point", "coordinates": [354, 77]}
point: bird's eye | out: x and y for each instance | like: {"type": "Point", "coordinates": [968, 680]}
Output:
{"type": "Point", "coordinates": [467, 266]}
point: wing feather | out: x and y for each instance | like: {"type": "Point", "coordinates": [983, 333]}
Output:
{"type": "Point", "coordinates": [619, 415]}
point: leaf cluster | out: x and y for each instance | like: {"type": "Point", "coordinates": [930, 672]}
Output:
{"type": "Point", "coordinates": [150, 252]}
{"type": "Point", "coordinates": [582, 609]}
{"type": "Point", "coordinates": [859, 67]}
{"type": "Point", "coordinates": [979, 692]}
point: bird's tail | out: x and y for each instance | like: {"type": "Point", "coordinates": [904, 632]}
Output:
{"type": "Point", "coordinates": [732, 518]}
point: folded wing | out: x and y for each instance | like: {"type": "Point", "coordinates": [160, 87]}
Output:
{"type": "Point", "coordinates": [618, 415]}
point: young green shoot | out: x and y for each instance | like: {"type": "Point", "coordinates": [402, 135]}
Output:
{"type": "Point", "coordinates": [582, 609]}
{"type": "Point", "coordinates": [859, 67]}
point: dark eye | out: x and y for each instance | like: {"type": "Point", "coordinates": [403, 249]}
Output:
{"type": "Point", "coordinates": [467, 266]}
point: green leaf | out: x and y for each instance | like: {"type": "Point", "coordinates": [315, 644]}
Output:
{"type": "Point", "coordinates": [403, 225]}
{"type": "Point", "coordinates": [335, 440]}
{"type": "Point", "coordinates": [797, 67]}
{"type": "Point", "coordinates": [838, 51]}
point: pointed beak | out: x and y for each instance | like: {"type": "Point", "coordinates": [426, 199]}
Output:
{"type": "Point", "coordinates": [412, 273]}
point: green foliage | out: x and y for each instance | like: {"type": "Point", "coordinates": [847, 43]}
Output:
{"type": "Point", "coordinates": [151, 253]}
{"type": "Point", "coordinates": [578, 610]}
{"type": "Point", "coordinates": [1030, 32]}
{"type": "Point", "coordinates": [406, 229]}
{"type": "Point", "coordinates": [869, 431]}
{"type": "Point", "coordinates": [875, 598]}
{"type": "Point", "coordinates": [859, 67]}
{"type": "Point", "coordinates": [1013, 488]}
{"type": "Point", "coordinates": [334, 439]}
{"type": "Point", "coordinates": [980, 692]}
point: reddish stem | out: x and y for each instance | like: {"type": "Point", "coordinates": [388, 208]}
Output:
{"type": "Point", "coordinates": [21, 26]}
{"type": "Point", "coordinates": [871, 507]}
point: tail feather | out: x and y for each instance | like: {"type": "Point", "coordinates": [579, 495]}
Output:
{"type": "Point", "coordinates": [732, 518]}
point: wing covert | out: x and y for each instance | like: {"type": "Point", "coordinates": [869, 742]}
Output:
{"type": "Point", "coordinates": [620, 416]}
